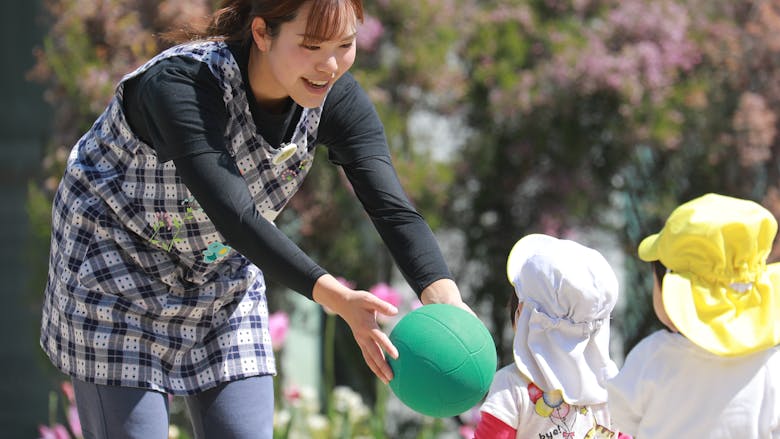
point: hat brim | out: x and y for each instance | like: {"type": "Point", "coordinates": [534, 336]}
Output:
{"type": "Point", "coordinates": [721, 320]}
{"type": "Point", "coordinates": [522, 250]}
{"type": "Point", "coordinates": [648, 248]}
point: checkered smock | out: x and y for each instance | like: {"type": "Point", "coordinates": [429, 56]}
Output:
{"type": "Point", "coordinates": [142, 289]}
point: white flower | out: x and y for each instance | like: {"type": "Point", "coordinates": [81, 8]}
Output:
{"type": "Point", "coordinates": [281, 418]}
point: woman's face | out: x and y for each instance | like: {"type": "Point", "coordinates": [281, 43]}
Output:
{"type": "Point", "coordinates": [302, 71]}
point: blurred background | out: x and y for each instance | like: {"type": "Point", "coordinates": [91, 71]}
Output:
{"type": "Point", "coordinates": [584, 119]}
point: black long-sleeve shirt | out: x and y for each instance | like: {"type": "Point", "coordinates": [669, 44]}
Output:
{"type": "Point", "coordinates": [177, 108]}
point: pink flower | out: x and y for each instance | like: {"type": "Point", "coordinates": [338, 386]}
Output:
{"type": "Point", "coordinates": [386, 293]}
{"type": "Point", "coordinates": [67, 389]}
{"type": "Point", "coordinates": [369, 33]}
{"type": "Point", "coordinates": [278, 324]}
{"type": "Point", "coordinates": [466, 431]}
{"type": "Point", "coordinates": [389, 295]}
{"type": "Point", "coordinates": [57, 432]}
{"type": "Point", "coordinates": [74, 422]}
{"type": "Point", "coordinates": [471, 416]}
{"type": "Point", "coordinates": [292, 393]}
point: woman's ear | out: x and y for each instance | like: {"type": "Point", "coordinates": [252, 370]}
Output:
{"type": "Point", "coordinates": [260, 35]}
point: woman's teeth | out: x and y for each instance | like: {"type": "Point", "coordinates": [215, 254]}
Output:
{"type": "Point", "coordinates": [317, 83]}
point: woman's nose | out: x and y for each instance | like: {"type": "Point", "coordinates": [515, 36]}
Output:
{"type": "Point", "coordinates": [329, 65]}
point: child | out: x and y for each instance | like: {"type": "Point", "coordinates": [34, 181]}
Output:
{"type": "Point", "coordinates": [716, 372]}
{"type": "Point", "coordinates": [565, 293]}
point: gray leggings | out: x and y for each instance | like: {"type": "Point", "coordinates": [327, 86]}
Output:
{"type": "Point", "coordinates": [240, 409]}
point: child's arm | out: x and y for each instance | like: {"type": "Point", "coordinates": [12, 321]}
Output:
{"type": "Point", "coordinates": [490, 427]}
{"type": "Point", "coordinates": [501, 411]}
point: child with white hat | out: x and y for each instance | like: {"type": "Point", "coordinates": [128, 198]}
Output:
{"type": "Point", "coordinates": [564, 295]}
{"type": "Point", "coordinates": [716, 372]}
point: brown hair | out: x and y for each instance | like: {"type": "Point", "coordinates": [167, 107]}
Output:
{"type": "Point", "coordinates": [232, 21]}
{"type": "Point", "coordinates": [512, 305]}
{"type": "Point", "coordinates": [659, 270]}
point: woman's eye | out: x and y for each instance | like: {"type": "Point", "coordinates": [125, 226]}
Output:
{"type": "Point", "coordinates": [310, 47]}
{"type": "Point", "coordinates": [347, 45]}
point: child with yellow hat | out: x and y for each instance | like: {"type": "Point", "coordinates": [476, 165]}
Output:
{"type": "Point", "coordinates": [716, 372]}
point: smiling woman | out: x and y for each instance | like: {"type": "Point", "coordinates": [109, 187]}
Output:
{"type": "Point", "coordinates": [308, 56]}
{"type": "Point", "coordinates": [163, 230]}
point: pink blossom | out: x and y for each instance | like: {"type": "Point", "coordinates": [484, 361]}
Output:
{"type": "Point", "coordinates": [58, 431]}
{"type": "Point", "coordinates": [755, 128]}
{"type": "Point", "coordinates": [389, 295]}
{"type": "Point", "coordinates": [278, 324]}
{"type": "Point", "coordinates": [292, 393]}
{"type": "Point", "coordinates": [386, 293]}
{"type": "Point", "coordinates": [67, 389]}
{"type": "Point", "coordinates": [74, 421]}
{"type": "Point", "coordinates": [471, 416]}
{"type": "Point", "coordinates": [466, 431]}
{"type": "Point", "coordinates": [369, 33]}
{"type": "Point", "coordinates": [521, 14]}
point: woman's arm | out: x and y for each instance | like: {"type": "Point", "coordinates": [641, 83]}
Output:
{"type": "Point", "coordinates": [403, 230]}
{"type": "Point", "coordinates": [177, 108]}
{"type": "Point", "coordinates": [356, 141]}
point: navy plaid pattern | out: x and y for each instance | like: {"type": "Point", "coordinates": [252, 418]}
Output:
{"type": "Point", "coordinates": [137, 294]}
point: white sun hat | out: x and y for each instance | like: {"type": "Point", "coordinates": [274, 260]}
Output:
{"type": "Point", "coordinates": [568, 292]}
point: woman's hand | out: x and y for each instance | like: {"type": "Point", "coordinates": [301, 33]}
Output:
{"type": "Point", "coordinates": [444, 291]}
{"type": "Point", "coordinates": [359, 308]}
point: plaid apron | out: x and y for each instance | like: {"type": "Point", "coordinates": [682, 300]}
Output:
{"type": "Point", "coordinates": [143, 291]}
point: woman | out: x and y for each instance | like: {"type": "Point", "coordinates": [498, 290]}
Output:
{"type": "Point", "coordinates": [162, 224]}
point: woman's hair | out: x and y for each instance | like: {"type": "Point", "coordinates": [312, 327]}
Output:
{"type": "Point", "coordinates": [232, 21]}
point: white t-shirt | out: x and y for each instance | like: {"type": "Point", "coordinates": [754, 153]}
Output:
{"type": "Point", "coordinates": [671, 388]}
{"type": "Point", "coordinates": [518, 403]}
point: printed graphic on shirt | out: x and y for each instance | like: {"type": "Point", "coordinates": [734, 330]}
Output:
{"type": "Point", "coordinates": [566, 419]}
{"type": "Point", "coordinates": [600, 432]}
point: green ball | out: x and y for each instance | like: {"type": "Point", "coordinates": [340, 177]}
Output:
{"type": "Point", "coordinates": [446, 360]}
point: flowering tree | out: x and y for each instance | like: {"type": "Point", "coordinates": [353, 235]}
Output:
{"type": "Point", "coordinates": [606, 114]}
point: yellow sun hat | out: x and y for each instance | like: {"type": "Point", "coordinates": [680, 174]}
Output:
{"type": "Point", "coordinates": [719, 291]}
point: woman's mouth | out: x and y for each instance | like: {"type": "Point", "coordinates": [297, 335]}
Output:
{"type": "Point", "coordinates": [316, 84]}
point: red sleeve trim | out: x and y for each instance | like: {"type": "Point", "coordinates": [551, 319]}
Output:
{"type": "Point", "coordinates": [490, 427]}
